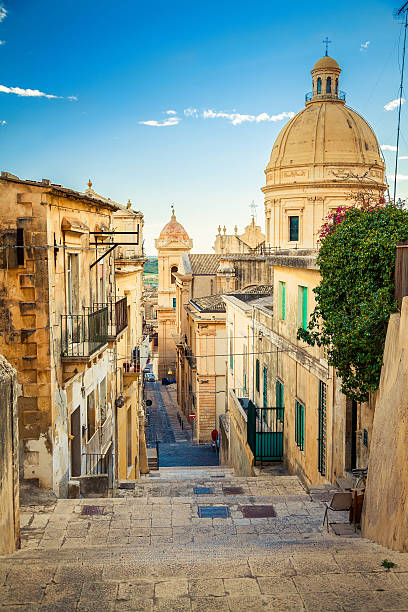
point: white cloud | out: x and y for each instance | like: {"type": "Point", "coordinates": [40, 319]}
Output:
{"type": "Point", "coordinates": [388, 147]}
{"type": "Point", "coordinates": [364, 46]}
{"type": "Point", "coordinates": [72, 98]}
{"type": "Point", "coordinates": [394, 104]}
{"type": "Point", "coordinates": [162, 123]}
{"type": "Point", "coordinates": [400, 177]}
{"type": "Point", "coordinates": [3, 122]}
{"type": "Point", "coordinates": [238, 118]}
{"type": "Point", "coordinates": [171, 112]}
{"type": "Point", "coordinates": [403, 157]}
{"type": "Point", "coordinates": [2, 42]}
{"type": "Point", "coordinates": [31, 93]}
{"type": "Point", "coordinates": [3, 13]}
{"type": "Point", "coordinates": [191, 112]}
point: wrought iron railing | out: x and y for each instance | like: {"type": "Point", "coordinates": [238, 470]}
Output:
{"type": "Point", "coordinates": [117, 315]}
{"type": "Point", "coordinates": [83, 334]}
{"type": "Point", "coordinates": [96, 463]}
{"type": "Point", "coordinates": [325, 96]}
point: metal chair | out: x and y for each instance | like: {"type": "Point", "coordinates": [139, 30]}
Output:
{"type": "Point", "coordinates": [339, 502]}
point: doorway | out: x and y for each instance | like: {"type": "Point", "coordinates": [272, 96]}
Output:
{"type": "Point", "coordinates": [76, 442]}
{"type": "Point", "coordinates": [351, 435]}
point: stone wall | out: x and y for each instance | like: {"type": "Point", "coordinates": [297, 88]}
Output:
{"type": "Point", "coordinates": [385, 512]}
{"type": "Point", "coordinates": [240, 456]}
{"type": "Point", "coordinates": [9, 476]}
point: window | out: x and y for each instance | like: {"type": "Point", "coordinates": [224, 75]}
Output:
{"type": "Point", "coordinates": [302, 307]}
{"type": "Point", "coordinates": [319, 85]}
{"type": "Point", "coordinates": [72, 283]}
{"type": "Point", "coordinates": [90, 415]}
{"type": "Point", "coordinates": [300, 425]}
{"type": "Point", "coordinates": [279, 400]}
{"type": "Point", "coordinates": [174, 302]}
{"type": "Point", "coordinates": [328, 85]}
{"type": "Point", "coordinates": [321, 459]}
{"type": "Point", "coordinates": [173, 270]}
{"type": "Point", "coordinates": [265, 387]}
{"type": "Point", "coordinates": [102, 400]}
{"type": "Point", "coordinates": [257, 375]}
{"type": "Point", "coordinates": [282, 300]}
{"type": "Point", "coordinates": [293, 229]}
{"type": "Point", "coordinates": [231, 350]}
{"type": "Point", "coordinates": [337, 86]}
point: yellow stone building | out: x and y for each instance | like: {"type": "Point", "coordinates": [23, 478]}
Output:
{"type": "Point", "coordinates": [251, 240]}
{"type": "Point", "coordinates": [133, 349]}
{"type": "Point", "coordinates": [172, 242]}
{"type": "Point", "coordinates": [62, 328]}
{"type": "Point", "coordinates": [326, 156]}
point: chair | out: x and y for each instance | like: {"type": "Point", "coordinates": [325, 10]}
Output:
{"type": "Point", "coordinates": [339, 502]}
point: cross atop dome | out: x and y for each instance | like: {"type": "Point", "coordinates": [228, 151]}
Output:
{"type": "Point", "coordinates": [326, 42]}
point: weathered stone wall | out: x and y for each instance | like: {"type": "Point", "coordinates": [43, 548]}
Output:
{"type": "Point", "coordinates": [240, 455]}
{"type": "Point", "coordinates": [9, 476]}
{"type": "Point", "coordinates": [385, 513]}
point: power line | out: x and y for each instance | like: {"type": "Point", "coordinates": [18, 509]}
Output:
{"type": "Point", "coordinates": [401, 10]}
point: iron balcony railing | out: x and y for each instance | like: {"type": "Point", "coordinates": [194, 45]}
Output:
{"type": "Point", "coordinates": [325, 96]}
{"type": "Point", "coordinates": [84, 334]}
{"type": "Point", "coordinates": [117, 315]}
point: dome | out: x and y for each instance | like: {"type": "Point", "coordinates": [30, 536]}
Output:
{"type": "Point", "coordinates": [326, 132]}
{"type": "Point", "coordinates": [325, 63]}
{"type": "Point", "coordinates": [174, 229]}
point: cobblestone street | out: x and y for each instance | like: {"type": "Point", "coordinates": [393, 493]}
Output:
{"type": "Point", "coordinates": [147, 549]}
{"type": "Point", "coordinates": [175, 446]}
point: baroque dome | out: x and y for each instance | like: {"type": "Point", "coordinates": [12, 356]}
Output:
{"type": "Point", "coordinates": [174, 229]}
{"type": "Point", "coordinates": [326, 62]}
{"type": "Point", "coordinates": [326, 140]}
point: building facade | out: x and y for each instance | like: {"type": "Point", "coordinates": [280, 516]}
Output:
{"type": "Point", "coordinates": [326, 156]}
{"type": "Point", "coordinates": [62, 325]}
{"type": "Point", "coordinates": [251, 241]}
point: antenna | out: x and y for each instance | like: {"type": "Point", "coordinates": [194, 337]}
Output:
{"type": "Point", "coordinates": [401, 11]}
{"type": "Point", "coordinates": [327, 43]}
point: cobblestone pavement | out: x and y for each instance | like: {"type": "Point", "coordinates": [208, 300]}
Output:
{"type": "Point", "coordinates": [175, 446]}
{"type": "Point", "coordinates": [150, 551]}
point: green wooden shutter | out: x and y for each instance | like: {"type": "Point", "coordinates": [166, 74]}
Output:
{"type": "Point", "coordinates": [304, 308]}
{"type": "Point", "coordinates": [300, 425]}
{"type": "Point", "coordinates": [283, 301]}
{"type": "Point", "coordinates": [257, 375]}
{"type": "Point", "coordinates": [265, 387]}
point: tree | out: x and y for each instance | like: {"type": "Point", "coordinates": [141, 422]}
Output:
{"type": "Point", "coordinates": [356, 294]}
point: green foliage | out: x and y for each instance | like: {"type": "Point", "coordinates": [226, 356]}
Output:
{"type": "Point", "coordinates": [356, 295]}
{"type": "Point", "coordinates": [388, 564]}
{"type": "Point", "coordinates": [151, 266]}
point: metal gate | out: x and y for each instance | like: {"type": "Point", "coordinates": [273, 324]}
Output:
{"type": "Point", "coordinates": [265, 432]}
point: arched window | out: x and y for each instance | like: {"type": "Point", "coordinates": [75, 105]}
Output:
{"type": "Point", "coordinates": [319, 85]}
{"type": "Point", "coordinates": [328, 85]}
{"type": "Point", "coordinates": [173, 270]}
{"type": "Point", "coordinates": [337, 86]}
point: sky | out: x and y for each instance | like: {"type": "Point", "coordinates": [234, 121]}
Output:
{"type": "Point", "coordinates": [181, 102]}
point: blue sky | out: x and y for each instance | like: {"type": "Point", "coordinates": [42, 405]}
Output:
{"type": "Point", "coordinates": [129, 62]}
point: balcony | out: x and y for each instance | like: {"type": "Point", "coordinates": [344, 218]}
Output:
{"type": "Point", "coordinates": [82, 335]}
{"type": "Point", "coordinates": [117, 316]}
{"type": "Point", "coordinates": [192, 362]}
{"type": "Point", "coordinates": [325, 96]}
